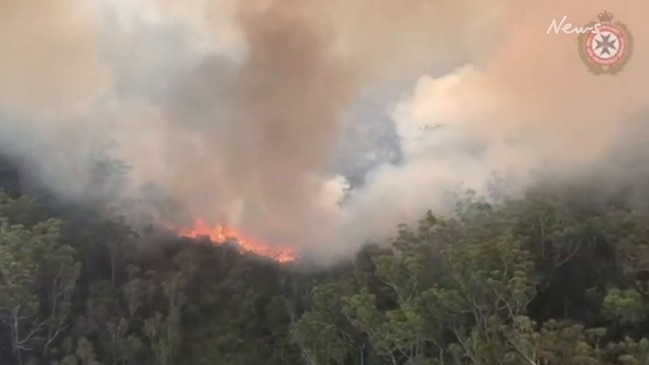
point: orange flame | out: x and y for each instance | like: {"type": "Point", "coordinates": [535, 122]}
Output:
{"type": "Point", "coordinates": [219, 234]}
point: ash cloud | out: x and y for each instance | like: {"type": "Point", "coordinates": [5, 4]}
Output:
{"type": "Point", "coordinates": [239, 112]}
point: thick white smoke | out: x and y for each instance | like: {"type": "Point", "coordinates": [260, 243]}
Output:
{"type": "Point", "coordinates": [236, 110]}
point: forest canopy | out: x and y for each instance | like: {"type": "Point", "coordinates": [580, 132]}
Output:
{"type": "Point", "coordinates": [553, 277]}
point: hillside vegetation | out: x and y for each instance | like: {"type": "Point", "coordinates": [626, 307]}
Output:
{"type": "Point", "coordinates": [547, 279]}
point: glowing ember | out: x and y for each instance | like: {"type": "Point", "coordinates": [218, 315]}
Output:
{"type": "Point", "coordinates": [219, 234]}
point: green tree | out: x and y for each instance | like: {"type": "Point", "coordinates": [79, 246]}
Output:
{"type": "Point", "coordinates": [37, 278]}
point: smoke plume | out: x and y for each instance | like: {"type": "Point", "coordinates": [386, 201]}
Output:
{"type": "Point", "coordinates": [237, 111]}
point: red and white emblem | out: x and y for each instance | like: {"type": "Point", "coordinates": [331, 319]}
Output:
{"type": "Point", "coordinates": [608, 47]}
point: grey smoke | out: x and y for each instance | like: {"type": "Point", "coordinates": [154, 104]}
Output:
{"type": "Point", "coordinates": [247, 113]}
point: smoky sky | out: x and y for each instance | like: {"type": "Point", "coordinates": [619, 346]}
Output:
{"type": "Point", "coordinates": [248, 113]}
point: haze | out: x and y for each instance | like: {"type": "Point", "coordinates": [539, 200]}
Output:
{"type": "Point", "coordinates": [275, 116]}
